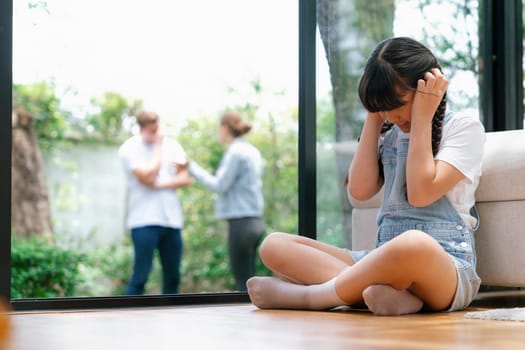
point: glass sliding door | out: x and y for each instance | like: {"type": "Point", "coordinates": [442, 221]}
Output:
{"type": "Point", "coordinates": [82, 72]}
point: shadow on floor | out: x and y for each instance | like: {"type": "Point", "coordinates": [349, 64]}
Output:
{"type": "Point", "coordinates": [499, 297]}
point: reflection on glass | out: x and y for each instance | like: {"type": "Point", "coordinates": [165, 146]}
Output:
{"type": "Point", "coordinates": [347, 32]}
{"type": "Point", "coordinates": [82, 72]}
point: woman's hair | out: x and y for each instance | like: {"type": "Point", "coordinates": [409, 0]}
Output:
{"type": "Point", "coordinates": [234, 122]}
{"type": "Point", "coordinates": [395, 66]}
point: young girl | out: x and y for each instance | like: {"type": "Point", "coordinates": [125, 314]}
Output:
{"type": "Point", "coordinates": [429, 165]}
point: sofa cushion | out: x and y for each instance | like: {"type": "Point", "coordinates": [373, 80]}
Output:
{"type": "Point", "coordinates": [364, 228]}
{"type": "Point", "coordinates": [500, 243]}
{"type": "Point", "coordinates": [503, 174]}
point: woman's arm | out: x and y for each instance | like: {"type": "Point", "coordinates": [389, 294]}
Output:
{"type": "Point", "coordinates": [427, 179]}
{"type": "Point", "coordinates": [364, 179]}
{"type": "Point", "coordinates": [224, 177]}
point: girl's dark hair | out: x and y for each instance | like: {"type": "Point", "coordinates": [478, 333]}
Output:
{"type": "Point", "coordinates": [394, 66]}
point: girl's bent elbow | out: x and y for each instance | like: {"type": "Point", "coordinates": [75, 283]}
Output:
{"type": "Point", "coordinates": [417, 201]}
{"type": "Point", "coordinates": [358, 193]}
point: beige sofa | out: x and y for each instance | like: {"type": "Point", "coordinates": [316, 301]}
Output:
{"type": "Point", "coordinates": [500, 239]}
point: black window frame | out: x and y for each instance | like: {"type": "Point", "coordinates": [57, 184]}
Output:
{"type": "Point", "coordinates": [6, 63]}
{"type": "Point", "coordinates": [502, 62]}
{"type": "Point", "coordinates": [502, 95]}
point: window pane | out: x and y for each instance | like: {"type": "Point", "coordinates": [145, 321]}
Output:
{"type": "Point", "coordinates": [82, 71]}
{"type": "Point", "coordinates": [348, 30]}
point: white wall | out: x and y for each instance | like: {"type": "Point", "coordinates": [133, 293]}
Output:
{"type": "Point", "coordinates": [87, 192]}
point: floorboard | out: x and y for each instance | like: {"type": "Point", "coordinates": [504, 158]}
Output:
{"type": "Point", "coordinates": [242, 326]}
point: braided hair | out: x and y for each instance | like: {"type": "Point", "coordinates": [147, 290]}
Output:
{"type": "Point", "coordinates": [394, 67]}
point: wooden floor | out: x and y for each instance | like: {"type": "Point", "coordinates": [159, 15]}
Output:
{"type": "Point", "coordinates": [242, 326]}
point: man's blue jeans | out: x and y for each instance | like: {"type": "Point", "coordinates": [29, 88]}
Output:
{"type": "Point", "coordinates": [169, 243]}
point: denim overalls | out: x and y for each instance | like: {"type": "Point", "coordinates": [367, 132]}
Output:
{"type": "Point", "coordinates": [439, 219]}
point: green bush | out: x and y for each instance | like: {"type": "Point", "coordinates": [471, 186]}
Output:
{"type": "Point", "coordinates": [42, 269]}
{"type": "Point", "coordinates": [106, 270]}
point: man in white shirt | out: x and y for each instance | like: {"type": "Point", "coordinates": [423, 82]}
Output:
{"type": "Point", "coordinates": [154, 213]}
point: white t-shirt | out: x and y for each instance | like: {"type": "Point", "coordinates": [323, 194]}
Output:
{"type": "Point", "coordinates": [462, 144]}
{"type": "Point", "coordinates": [147, 206]}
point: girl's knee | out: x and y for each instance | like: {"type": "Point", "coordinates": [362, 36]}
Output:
{"type": "Point", "coordinates": [417, 238]}
{"type": "Point", "coordinates": [414, 243]}
{"type": "Point", "coordinates": [273, 247]}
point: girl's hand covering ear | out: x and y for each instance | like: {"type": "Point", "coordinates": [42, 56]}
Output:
{"type": "Point", "coordinates": [378, 118]}
{"type": "Point", "coordinates": [430, 91]}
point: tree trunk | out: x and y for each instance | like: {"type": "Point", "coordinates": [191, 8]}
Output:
{"type": "Point", "coordinates": [349, 30]}
{"type": "Point", "coordinates": [30, 209]}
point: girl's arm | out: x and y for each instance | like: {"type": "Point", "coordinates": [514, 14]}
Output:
{"type": "Point", "coordinates": [364, 179]}
{"type": "Point", "coordinates": [427, 179]}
